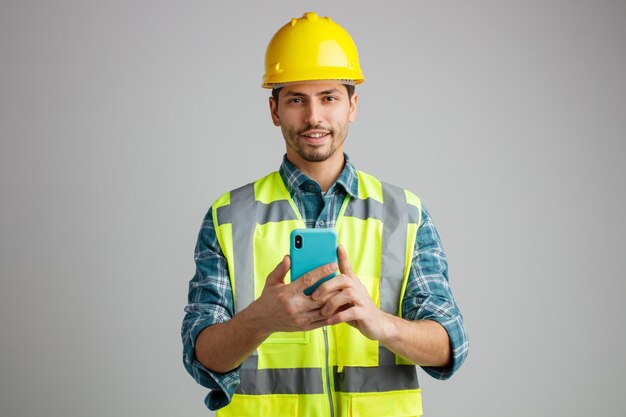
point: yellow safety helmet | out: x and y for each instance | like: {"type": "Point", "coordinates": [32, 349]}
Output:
{"type": "Point", "coordinates": [311, 48]}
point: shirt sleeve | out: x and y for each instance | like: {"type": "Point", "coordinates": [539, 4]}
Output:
{"type": "Point", "coordinates": [210, 301]}
{"type": "Point", "coordinates": [428, 295]}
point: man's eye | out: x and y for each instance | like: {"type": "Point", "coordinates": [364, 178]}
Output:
{"type": "Point", "coordinates": [295, 100]}
{"type": "Point", "coordinates": [330, 98]}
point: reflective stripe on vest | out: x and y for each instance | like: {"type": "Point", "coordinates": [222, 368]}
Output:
{"type": "Point", "coordinates": [395, 218]}
{"type": "Point", "coordinates": [278, 381]}
{"type": "Point", "coordinates": [242, 205]}
{"type": "Point", "coordinates": [386, 377]}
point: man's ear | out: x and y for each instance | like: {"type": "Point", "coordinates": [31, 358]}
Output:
{"type": "Point", "coordinates": [354, 101]}
{"type": "Point", "coordinates": [274, 111]}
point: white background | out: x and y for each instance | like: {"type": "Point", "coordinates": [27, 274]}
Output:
{"type": "Point", "coordinates": [121, 121]}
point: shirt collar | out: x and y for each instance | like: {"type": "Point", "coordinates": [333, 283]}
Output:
{"type": "Point", "coordinates": [296, 181]}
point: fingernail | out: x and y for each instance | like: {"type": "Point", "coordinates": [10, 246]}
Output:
{"type": "Point", "coordinates": [316, 295]}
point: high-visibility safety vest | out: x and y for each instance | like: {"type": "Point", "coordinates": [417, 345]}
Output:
{"type": "Point", "coordinates": [333, 371]}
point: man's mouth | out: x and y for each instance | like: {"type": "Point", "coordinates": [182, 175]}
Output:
{"type": "Point", "coordinates": [315, 136]}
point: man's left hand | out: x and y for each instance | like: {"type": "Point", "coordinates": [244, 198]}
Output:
{"type": "Point", "coordinates": [351, 303]}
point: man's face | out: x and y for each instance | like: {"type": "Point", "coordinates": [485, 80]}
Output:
{"type": "Point", "coordinates": [314, 119]}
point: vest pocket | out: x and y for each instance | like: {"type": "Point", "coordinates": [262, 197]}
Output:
{"type": "Point", "coordinates": [288, 337]}
{"type": "Point", "coordinates": [354, 349]}
{"type": "Point", "coordinates": [284, 405]}
{"type": "Point", "coordinates": [287, 350]}
{"type": "Point", "coordinates": [383, 404]}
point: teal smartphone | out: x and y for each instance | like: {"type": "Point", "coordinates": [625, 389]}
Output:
{"type": "Point", "coordinates": [309, 249]}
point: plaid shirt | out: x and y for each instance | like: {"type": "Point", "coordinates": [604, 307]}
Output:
{"type": "Point", "coordinates": [427, 294]}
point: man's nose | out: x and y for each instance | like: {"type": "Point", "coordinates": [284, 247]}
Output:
{"type": "Point", "coordinates": [312, 115]}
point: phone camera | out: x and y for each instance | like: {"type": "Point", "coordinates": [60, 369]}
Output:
{"type": "Point", "coordinates": [298, 241]}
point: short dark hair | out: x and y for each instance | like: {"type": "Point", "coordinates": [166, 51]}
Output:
{"type": "Point", "coordinates": [276, 92]}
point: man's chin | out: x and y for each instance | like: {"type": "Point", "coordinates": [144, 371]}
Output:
{"type": "Point", "coordinates": [316, 156]}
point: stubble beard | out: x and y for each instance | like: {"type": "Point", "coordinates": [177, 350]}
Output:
{"type": "Point", "coordinates": [312, 153]}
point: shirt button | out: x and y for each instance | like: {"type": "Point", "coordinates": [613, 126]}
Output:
{"type": "Point", "coordinates": [320, 223]}
{"type": "Point", "coordinates": [312, 187]}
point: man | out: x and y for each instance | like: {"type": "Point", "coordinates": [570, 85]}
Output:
{"type": "Point", "coordinates": [250, 334]}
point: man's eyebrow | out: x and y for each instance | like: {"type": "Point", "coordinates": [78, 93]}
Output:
{"type": "Point", "coordinates": [331, 91]}
{"type": "Point", "coordinates": [295, 94]}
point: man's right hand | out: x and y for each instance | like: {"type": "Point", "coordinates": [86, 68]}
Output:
{"type": "Point", "coordinates": [284, 307]}
{"type": "Point", "coordinates": [280, 308]}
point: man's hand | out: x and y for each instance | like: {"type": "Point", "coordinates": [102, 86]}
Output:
{"type": "Point", "coordinates": [423, 342]}
{"type": "Point", "coordinates": [350, 302]}
{"type": "Point", "coordinates": [280, 308]}
{"type": "Point", "coordinates": [284, 307]}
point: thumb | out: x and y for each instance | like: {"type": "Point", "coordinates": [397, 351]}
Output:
{"type": "Point", "coordinates": [277, 276]}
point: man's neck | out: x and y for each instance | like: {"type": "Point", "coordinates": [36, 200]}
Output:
{"type": "Point", "coordinates": [324, 173]}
